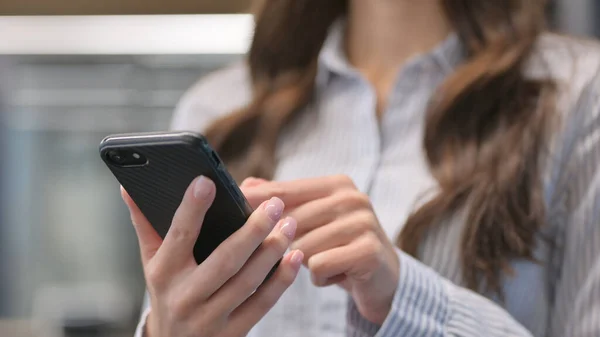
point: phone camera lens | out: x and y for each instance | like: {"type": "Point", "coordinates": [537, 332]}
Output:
{"type": "Point", "coordinates": [126, 158]}
{"type": "Point", "coordinates": [116, 157]}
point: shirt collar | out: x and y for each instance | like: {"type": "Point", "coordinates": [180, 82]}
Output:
{"type": "Point", "coordinates": [448, 55]}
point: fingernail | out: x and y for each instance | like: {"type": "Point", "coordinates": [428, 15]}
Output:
{"type": "Point", "coordinates": [274, 209]}
{"type": "Point", "coordinates": [202, 188]}
{"type": "Point", "coordinates": [297, 258]}
{"type": "Point", "coordinates": [288, 228]}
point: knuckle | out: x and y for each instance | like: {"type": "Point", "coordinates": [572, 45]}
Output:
{"type": "Point", "coordinates": [343, 180]}
{"type": "Point", "coordinates": [155, 276]}
{"type": "Point", "coordinates": [273, 250]}
{"type": "Point", "coordinates": [316, 274]}
{"type": "Point", "coordinates": [270, 247]}
{"type": "Point", "coordinates": [365, 220]}
{"type": "Point", "coordinates": [179, 307]}
{"type": "Point", "coordinates": [269, 298]}
{"type": "Point", "coordinates": [249, 284]}
{"type": "Point", "coordinates": [206, 327]}
{"type": "Point", "coordinates": [299, 245]}
{"type": "Point", "coordinates": [318, 277]}
{"type": "Point", "coordinates": [261, 228]}
{"type": "Point", "coordinates": [316, 266]}
{"type": "Point", "coordinates": [277, 191]}
{"type": "Point", "coordinates": [267, 301]}
{"type": "Point", "coordinates": [358, 199]}
{"type": "Point", "coordinates": [372, 245]}
{"type": "Point", "coordinates": [248, 181]}
{"type": "Point", "coordinates": [206, 318]}
{"type": "Point", "coordinates": [279, 245]}
{"type": "Point", "coordinates": [286, 279]}
{"type": "Point", "coordinates": [179, 233]}
{"type": "Point", "coordinates": [228, 262]}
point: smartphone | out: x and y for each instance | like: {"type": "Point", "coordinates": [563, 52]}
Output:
{"type": "Point", "coordinates": [157, 168]}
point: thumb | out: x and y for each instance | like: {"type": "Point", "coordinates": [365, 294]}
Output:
{"type": "Point", "coordinates": [148, 239]}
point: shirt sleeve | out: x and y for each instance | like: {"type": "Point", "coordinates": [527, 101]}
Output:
{"type": "Point", "coordinates": [576, 312]}
{"type": "Point", "coordinates": [426, 304]}
{"type": "Point", "coordinates": [140, 331]}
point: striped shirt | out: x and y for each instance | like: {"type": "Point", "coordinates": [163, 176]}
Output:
{"type": "Point", "coordinates": [340, 134]}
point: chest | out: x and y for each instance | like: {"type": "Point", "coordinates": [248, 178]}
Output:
{"type": "Point", "coordinates": [341, 134]}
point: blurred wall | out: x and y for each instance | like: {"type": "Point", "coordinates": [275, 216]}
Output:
{"type": "Point", "coordinates": [577, 16]}
{"type": "Point", "coordinates": [3, 238]}
{"type": "Point", "coordinates": [68, 253]}
{"type": "Point", "coordinates": [99, 7]}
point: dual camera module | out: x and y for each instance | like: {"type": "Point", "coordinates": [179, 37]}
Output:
{"type": "Point", "coordinates": [126, 158]}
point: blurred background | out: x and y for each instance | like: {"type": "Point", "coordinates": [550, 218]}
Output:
{"type": "Point", "coordinates": [72, 72]}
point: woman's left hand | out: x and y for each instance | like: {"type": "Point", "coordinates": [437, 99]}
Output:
{"type": "Point", "coordinates": [341, 238]}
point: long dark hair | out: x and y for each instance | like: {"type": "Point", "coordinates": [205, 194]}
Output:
{"type": "Point", "coordinates": [485, 129]}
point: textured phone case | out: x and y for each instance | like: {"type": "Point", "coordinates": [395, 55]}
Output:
{"type": "Point", "coordinates": [174, 161]}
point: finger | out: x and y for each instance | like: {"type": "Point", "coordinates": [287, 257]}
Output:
{"type": "Point", "coordinates": [316, 213]}
{"type": "Point", "coordinates": [252, 310]}
{"type": "Point", "coordinates": [338, 233]}
{"type": "Point", "coordinates": [242, 285]}
{"type": "Point", "coordinates": [148, 239]}
{"type": "Point", "coordinates": [254, 199]}
{"type": "Point", "coordinates": [252, 181]}
{"type": "Point", "coordinates": [232, 254]}
{"type": "Point", "coordinates": [354, 260]}
{"type": "Point", "coordinates": [246, 188]}
{"type": "Point", "coordinates": [341, 280]}
{"type": "Point", "coordinates": [296, 192]}
{"type": "Point", "coordinates": [177, 248]}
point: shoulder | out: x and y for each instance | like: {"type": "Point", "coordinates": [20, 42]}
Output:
{"type": "Point", "coordinates": [570, 54]}
{"type": "Point", "coordinates": [213, 96]}
{"type": "Point", "coordinates": [572, 63]}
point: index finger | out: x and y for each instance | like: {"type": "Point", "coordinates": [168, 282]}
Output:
{"type": "Point", "coordinates": [149, 240]}
{"type": "Point", "coordinates": [297, 192]}
{"type": "Point", "coordinates": [178, 245]}
{"type": "Point", "coordinates": [231, 255]}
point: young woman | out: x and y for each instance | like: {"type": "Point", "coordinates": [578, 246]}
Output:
{"type": "Point", "coordinates": [438, 162]}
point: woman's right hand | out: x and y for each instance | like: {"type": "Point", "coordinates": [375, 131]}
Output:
{"type": "Point", "coordinates": [221, 296]}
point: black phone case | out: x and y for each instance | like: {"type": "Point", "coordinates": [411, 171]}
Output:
{"type": "Point", "coordinates": [157, 188]}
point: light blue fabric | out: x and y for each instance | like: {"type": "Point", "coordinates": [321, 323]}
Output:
{"type": "Point", "coordinates": [340, 133]}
